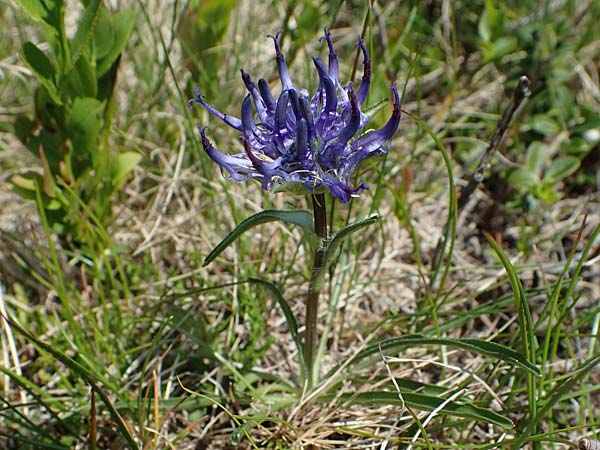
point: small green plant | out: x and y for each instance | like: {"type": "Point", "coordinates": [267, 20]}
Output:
{"type": "Point", "coordinates": [73, 112]}
{"type": "Point", "coordinates": [538, 179]}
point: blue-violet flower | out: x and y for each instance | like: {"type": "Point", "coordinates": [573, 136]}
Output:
{"type": "Point", "coordinates": [295, 140]}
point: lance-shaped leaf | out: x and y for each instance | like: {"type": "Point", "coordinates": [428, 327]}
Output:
{"type": "Point", "coordinates": [85, 30]}
{"type": "Point", "coordinates": [43, 68]}
{"type": "Point", "coordinates": [300, 218]}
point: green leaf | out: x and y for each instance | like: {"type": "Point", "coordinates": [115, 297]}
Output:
{"type": "Point", "coordinates": [523, 179]}
{"type": "Point", "coordinates": [24, 184]}
{"type": "Point", "coordinates": [579, 146]}
{"type": "Point", "coordinates": [34, 8]}
{"type": "Point", "coordinates": [334, 245]}
{"type": "Point", "coordinates": [81, 80]}
{"type": "Point", "coordinates": [83, 126]}
{"type": "Point", "coordinates": [301, 218]}
{"type": "Point", "coordinates": [289, 316]}
{"type": "Point", "coordinates": [538, 154]}
{"type": "Point", "coordinates": [474, 345]}
{"type": "Point", "coordinates": [526, 329]}
{"type": "Point", "coordinates": [43, 67]}
{"type": "Point", "coordinates": [85, 30]}
{"type": "Point", "coordinates": [488, 21]}
{"type": "Point", "coordinates": [544, 124]}
{"type": "Point", "coordinates": [104, 34]}
{"type": "Point", "coordinates": [499, 47]}
{"type": "Point", "coordinates": [122, 27]}
{"type": "Point", "coordinates": [122, 164]}
{"type": "Point", "coordinates": [562, 167]}
{"type": "Point", "coordinates": [426, 403]}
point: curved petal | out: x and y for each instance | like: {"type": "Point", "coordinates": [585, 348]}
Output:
{"type": "Point", "coordinates": [307, 115]}
{"type": "Point", "coordinates": [238, 167]}
{"type": "Point", "coordinates": [261, 109]}
{"type": "Point", "coordinates": [372, 142]}
{"type": "Point", "coordinates": [365, 84]}
{"type": "Point", "coordinates": [232, 121]}
{"type": "Point", "coordinates": [284, 75]}
{"type": "Point", "coordinates": [374, 139]}
{"type": "Point", "coordinates": [333, 61]}
{"type": "Point", "coordinates": [280, 112]}
{"type": "Point", "coordinates": [266, 95]}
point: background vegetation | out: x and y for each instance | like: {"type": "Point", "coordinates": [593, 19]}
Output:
{"type": "Point", "coordinates": [116, 336]}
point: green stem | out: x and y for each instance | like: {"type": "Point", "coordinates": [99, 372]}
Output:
{"type": "Point", "coordinates": [314, 288]}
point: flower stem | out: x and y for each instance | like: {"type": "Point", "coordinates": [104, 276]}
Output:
{"type": "Point", "coordinates": [314, 288]}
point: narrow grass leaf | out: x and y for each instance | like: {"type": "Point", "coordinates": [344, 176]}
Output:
{"type": "Point", "coordinates": [85, 374]}
{"type": "Point", "coordinates": [300, 218]}
{"type": "Point", "coordinates": [37, 393]}
{"type": "Point", "coordinates": [289, 315]}
{"type": "Point", "coordinates": [426, 403]}
{"type": "Point", "coordinates": [526, 328]}
{"type": "Point", "coordinates": [32, 443]}
{"type": "Point", "coordinates": [479, 346]}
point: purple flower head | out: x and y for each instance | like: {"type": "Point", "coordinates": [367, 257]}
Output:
{"type": "Point", "coordinates": [296, 141]}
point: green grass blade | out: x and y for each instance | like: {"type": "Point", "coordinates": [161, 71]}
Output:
{"type": "Point", "coordinates": [426, 403]}
{"type": "Point", "coordinates": [289, 316]}
{"type": "Point", "coordinates": [479, 346]}
{"type": "Point", "coordinates": [85, 374]}
{"type": "Point", "coordinates": [526, 328]}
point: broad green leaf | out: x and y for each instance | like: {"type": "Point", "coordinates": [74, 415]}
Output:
{"type": "Point", "coordinates": [83, 126]}
{"type": "Point", "coordinates": [81, 80]}
{"type": "Point", "coordinates": [562, 167]}
{"type": "Point", "coordinates": [300, 218]}
{"type": "Point", "coordinates": [579, 146]}
{"type": "Point", "coordinates": [538, 154]}
{"type": "Point", "coordinates": [85, 30]}
{"type": "Point", "coordinates": [335, 244]}
{"type": "Point", "coordinates": [104, 34]}
{"type": "Point", "coordinates": [474, 345]}
{"type": "Point", "coordinates": [34, 8]}
{"type": "Point", "coordinates": [544, 124]}
{"type": "Point", "coordinates": [43, 67]}
{"type": "Point", "coordinates": [289, 316]}
{"type": "Point", "coordinates": [122, 164]}
{"type": "Point", "coordinates": [426, 403]}
{"type": "Point", "coordinates": [122, 27]}
{"type": "Point", "coordinates": [24, 184]}
{"type": "Point", "coordinates": [523, 179]}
